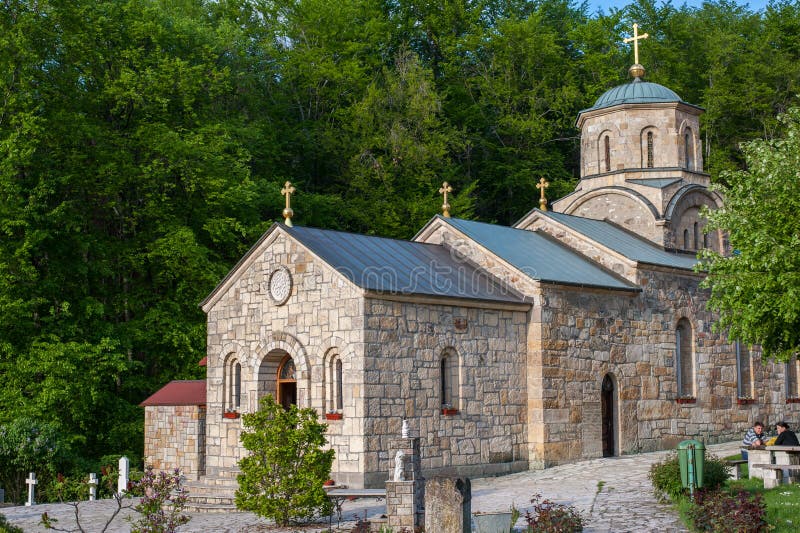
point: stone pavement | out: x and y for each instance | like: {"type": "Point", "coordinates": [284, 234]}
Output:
{"type": "Point", "coordinates": [613, 494]}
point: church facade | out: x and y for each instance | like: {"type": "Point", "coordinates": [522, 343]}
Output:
{"type": "Point", "coordinates": [577, 333]}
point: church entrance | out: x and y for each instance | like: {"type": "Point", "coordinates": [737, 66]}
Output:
{"type": "Point", "coordinates": [608, 410]}
{"type": "Point", "coordinates": [277, 377]}
{"type": "Point", "coordinates": [287, 383]}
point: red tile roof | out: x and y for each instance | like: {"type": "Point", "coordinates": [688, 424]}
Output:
{"type": "Point", "coordinates": [180, 392]}
{"type": "Point", "coordinates": [203, 361]}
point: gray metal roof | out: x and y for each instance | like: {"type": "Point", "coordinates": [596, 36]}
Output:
{"type": "Point", "coordinates": [400, 267]}
{"type": "Point", "coordinates": [635, 92]}
{"type": "Point", "coordinates": [539, 256]}
{"type": "Point", "coordinates": [656, 183]}
{"type": "Point", "coordinates": [621, 241]}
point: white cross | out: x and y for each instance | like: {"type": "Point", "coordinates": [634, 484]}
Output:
{"type": "Point", "coordinates": [31, 481]}
{"type": "Point", "coordinates": [92, 487]}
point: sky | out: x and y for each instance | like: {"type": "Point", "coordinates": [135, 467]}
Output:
{"type": "Point", "coordinates": [594, 5]}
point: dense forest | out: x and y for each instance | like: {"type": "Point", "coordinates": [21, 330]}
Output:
{"type": "Point", "coordinates": [143, 145]}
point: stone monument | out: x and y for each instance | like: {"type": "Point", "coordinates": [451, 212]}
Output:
{"type": "Point", "coordinates": [448, 505]}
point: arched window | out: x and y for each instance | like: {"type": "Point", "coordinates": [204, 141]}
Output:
{"type": "Point", "coordinates": [337, 378]}
{"type": "Point", "coordinates": [705, 240]}
{"type": "Point", "coordinates": [649, 149]}
{"type": "Point", "coordinates": [607, 146]}
{"type": "Point", "coordinates": [233, 385]}
{"type": "Point", "coordinates": [696, 235]}
{"type": "Point", "coordinates": [686, 239]}
{"type": "Point", "coordinates": [744, 371]}
{"type": "Point", "coordinates": [792, 392]}
{"type": "Point", "coordinates": [287, 383]}
{"type": "Point", "coordinates": [688, 158]}
{"type": "Point", "coordinates": [449, 383]}
{"type": "Point", "coordinates": [684, 359]}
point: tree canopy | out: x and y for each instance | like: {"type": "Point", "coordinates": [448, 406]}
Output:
{"type": "Point", "coordinates": [756, 290]}
{"type": "Point", "coordinates": [143, 144]}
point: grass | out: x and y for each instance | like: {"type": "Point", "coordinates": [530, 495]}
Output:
{"type": "Point", "coordinates": [783, 502]}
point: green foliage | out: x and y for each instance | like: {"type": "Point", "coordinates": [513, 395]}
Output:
{"type": "Point", "coordinates": [162, 499]}
{"type": "Point", "coordinates": [283, 474]}
{"type": "Point", "coordinates": [665, 476]}
{"type": "Point", "coordinates": [756, 290]}
{"type": "Point", "coordinates": [721, 512]}
{"type": "Point", "coordinates": [5, 527]}
{"type": "Point", "coordinates": [28, 446]}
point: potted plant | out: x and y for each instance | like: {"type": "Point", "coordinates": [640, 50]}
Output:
{"type": "Point", "coordinates": [230, 413]}
{"type": "Point", "coordinates": [333, 416]}
{"type": "Point", "coordinates": [449, 410]}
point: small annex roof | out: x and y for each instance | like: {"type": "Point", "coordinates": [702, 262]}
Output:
{"type": "Point", "coordinates": [539, 256]}
{"type": "Point", "coordinates": [180, 392]}
{"type": "Point", "coordinates": [401, 267]}
{"type": "Point", "coordinates": [623, 242]}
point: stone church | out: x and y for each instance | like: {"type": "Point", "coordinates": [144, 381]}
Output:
{"type": "Point", "coordinates": [578, 332]}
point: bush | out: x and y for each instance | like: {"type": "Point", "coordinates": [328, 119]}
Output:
{"type": "Point", "coordinates": [283, 475]}
{"type": "Point", "coordinates": [551, 517]}
{"type": "Point", "coordinates": [5, 527]}
{"type": "Point", "coordinates": [163, 499]}
{"type": "Point", "coordinates": [665, 476]}
{"type": "Point", "coordinates": [721, 512]}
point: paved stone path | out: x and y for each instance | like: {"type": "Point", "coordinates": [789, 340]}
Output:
{"type": "Point", "coordinates": [613, 494]}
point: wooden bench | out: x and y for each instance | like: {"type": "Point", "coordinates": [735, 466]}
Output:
{"type": "Point", "coordinates": [736, 466]}
{"type": "Point", "coordinates": [773, 474]}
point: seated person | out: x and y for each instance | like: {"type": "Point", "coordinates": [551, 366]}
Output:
{"type": "Point", "coordinates": [754, 437]}
{"type": "Point", "coordinates": [786, 437]}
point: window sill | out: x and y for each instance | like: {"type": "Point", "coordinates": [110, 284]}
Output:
{"type": "Point", "coordinates": [333, 416]}
{"type": "Point", "coordinates": [685, 401]}
{"type": "Point", "coordinates": [792, 400]}
{"type": "Point", "coordinates": [231, 415]}
{"type": "Point", "coordinates": [449, 412]}
{"type": "Point", "coordinates": [745, 401]}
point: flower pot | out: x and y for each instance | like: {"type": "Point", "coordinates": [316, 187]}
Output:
{"type": "Point", "coordinates": [230, 414]}
{"type": "Point", "coordinates": [449, 411]}
{"type": "Point", "coordinates": [333, 416]}
{"type": "Point", "coordinates": [494, 522]}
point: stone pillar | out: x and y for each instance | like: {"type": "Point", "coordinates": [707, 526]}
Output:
{"type": "Point", "coordinates": [124, 473]}
{"type": "Point", "coordinates": [448, 505]}
{"type": "Point", "coordinates": [405, 490]}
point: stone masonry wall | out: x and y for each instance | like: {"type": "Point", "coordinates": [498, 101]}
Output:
{"type": "Point", "coordinates": [174, 437]}
{"type": "Point", "coordinates": [323, 316]}
{"type": "Point", "coordinates": [404, 345]}
{"type": "Point", "coordinates": [588, 334]}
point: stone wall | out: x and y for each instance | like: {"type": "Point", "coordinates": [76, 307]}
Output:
{"type": "Point", "coordinates": [175, 438]}
{"type": "Point", "coordinates": [404, 345]}
{"type": "Point", "coordinates": [322, 318]}
{"type": "Point", "coordinates": [588, 334]}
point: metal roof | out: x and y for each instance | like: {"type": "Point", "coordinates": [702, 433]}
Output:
{"type": "Point", "coordinates": [181, 392]}
{"type": "Point", "coordinates": [656, 183]}
{"type": "Point", "coordinates": [401, 267]}
{"type": "Point", "coordinates": [635, 92]}
{"type": "Point", "coordinates": [623, 242]}
{"type": "Point", "coordinates": [539, 256]}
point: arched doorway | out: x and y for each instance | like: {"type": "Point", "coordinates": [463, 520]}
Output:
{"type": "Point", "coordinates": [608, 413]}
{"type": "Point", "coordinates": [286, 392]}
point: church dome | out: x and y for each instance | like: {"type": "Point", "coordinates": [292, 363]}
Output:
{"type": "Point", "coordinates": [636, 92]}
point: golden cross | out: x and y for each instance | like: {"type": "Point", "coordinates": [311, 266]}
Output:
{"type": "Point", "coordinates": [636, 37]}
{"type": "Point", "coordinates": [287, 191]}
{"type": "Point", "coordinates": [542, 185]}
{"type": "Point", "coordinates": [446, 188]}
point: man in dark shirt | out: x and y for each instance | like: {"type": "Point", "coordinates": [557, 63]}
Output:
{"type": "Point", "coordinates": [786, 437]}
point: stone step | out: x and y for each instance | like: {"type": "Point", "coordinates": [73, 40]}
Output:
{"type": "Point", "coordinates": [199, 507]}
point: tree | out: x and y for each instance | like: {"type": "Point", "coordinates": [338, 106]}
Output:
{"type": "Point", "coordinates": [756, 289]}
{"type": "Point", "coordinates": [283, 475]}
{"type": "Point", "coordinates": [27, 446]}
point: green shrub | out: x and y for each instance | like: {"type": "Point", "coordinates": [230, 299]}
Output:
{"type": "Point", "coordinates": [283, 475]}
{"type": "Point", "coordinates": [665, 476]}
{"type": "Point", "coordinates": [5, 527]}
{"type": "Point", "coordinates": [721, 512]}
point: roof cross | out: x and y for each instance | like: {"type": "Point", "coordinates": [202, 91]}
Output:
{"type": "Point", "coordinates": [542, 185]}
{"type": "Point", "coordinates": [635, 39]}
{"type": "Point", "coordinates": [287, 191]}
{"type": "Point", "coordinates": [446, 188]}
